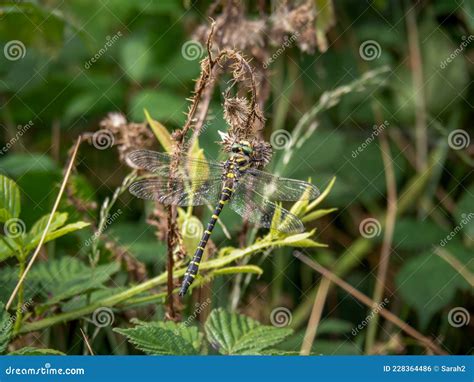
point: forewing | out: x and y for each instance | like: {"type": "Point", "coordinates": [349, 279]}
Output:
{"type": "Point", "coordinates": [193, 182]}
{"type": "Point", "coordinates": [260, 211]}
{"type": "Point", "coordinates": [277, 188]}
{"type": "Point", "coordinates": [187, 167]}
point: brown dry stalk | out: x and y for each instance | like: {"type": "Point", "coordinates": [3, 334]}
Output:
{"type": "Point", "coordinates": [197, 112]}
{"type": "Point", "coordinates": [48, 224]}
{"type": "Point", "coordinates": [86, 341]}
{"type": "Point", "coordinates": [371, 304]}
{"type": "Point", "coordinates": [315, 317]}
{"type": "Point", "coordinates": [456, 264]}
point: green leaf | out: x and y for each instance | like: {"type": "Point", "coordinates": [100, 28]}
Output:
{"type": "Point", "coordinates": [161, 133]}
{"type": "Point", "coordinates": [55, 230]}
{"type": "Point", "coordinates": [163, 338]}
{"type": "Point", "coordinates": [299, 240]}
{"type": "Point", "coordinates": [317, 214]}
{"type": "Point", "coordinates": [28, 350]}
{"type": "Point", "coordinates": [420, 278]}
{"type": "Point", "coordinates": [68, 277]}
{"type": "Point", "coordinates": [233, 333]}
{"type": "Point", "coordinates": [165, 106]}
{"type": "Point", "coordinates": [135, 56]}
{"type": "Point", "coordinates": [6, 325]}
{"type": "Point", "coordinates": [428, 234]}
{"type": "Point", "coordinates": [9, 199]}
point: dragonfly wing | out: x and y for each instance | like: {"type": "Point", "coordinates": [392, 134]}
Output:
{"type": "Point", "coordinates": [260, 211]}
{"type": "Point", "coordinates": [188, 167]}
{"type": "Point", "coordinates": [277, 188]}
{"type": "Point", "coordinates": [176, 191]}
{"type": "Point", "coordinates": [192, 182]}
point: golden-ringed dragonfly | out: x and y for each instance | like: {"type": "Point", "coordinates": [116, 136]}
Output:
{"type": "Point", "coordinates": [236, 182]}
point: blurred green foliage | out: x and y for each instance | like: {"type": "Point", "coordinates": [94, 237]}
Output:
{"type": "Point", "coordinates": [81, 59]}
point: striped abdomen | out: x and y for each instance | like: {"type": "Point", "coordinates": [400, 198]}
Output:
{"type": "Point", "coordinates": [193, 266]}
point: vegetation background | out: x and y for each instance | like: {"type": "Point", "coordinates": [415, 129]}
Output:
{"type": "Point", "coordinates": [382, 101]}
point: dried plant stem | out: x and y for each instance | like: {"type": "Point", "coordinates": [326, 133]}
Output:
{"type": "Point", "coordinates": [425, 341]}
{"type": "Point", "coordinates": [456, 264]}
{"type": "Point", "coordinates": [48, 224]}
{"type": "Point", "coordinates": [315, 317]}
{"type": "Point", "coordinates": [86, 341]}
{"type": "Point", "coordinates": [390, 220]}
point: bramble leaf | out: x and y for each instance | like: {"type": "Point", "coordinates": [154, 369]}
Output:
{"type": "Point", "coordinates": [232, 333]}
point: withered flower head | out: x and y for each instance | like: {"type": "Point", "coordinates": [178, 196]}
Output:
{"type": "Point", "coordinates": [236, 113]}
{"type": "Point", "coordinates": [127, 136]}
{"type": "Point", "coordinates": [295, 21]}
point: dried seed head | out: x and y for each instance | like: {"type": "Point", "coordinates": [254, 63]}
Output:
{"type": "Point", "coordinates": [295, 22]}
{"type": "Point", "coordinates": [126, 136]}
{"type": "Point", "coordinates": [236, 113]}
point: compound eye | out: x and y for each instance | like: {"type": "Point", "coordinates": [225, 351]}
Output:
{"type": "Point", "coordinates": [235, 149]}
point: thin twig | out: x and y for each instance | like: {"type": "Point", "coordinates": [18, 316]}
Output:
{"type": "Point", "coordinates": [48, 224]}
{"type": "Point", "coordinates": [315, 317]}
{"type": "Point", "coordinates": [86, 340]}
{"type": "Point", "coordinates": [456, 264]}
{"type": "Point", "coordinates": [371, 304]}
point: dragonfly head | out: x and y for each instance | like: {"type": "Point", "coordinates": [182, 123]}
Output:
{"type": "Point", "coordinates": [242, 147]}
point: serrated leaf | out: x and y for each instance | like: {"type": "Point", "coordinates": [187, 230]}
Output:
{"type": "Point", "coordinates": [6, 325]}
{"type": "Point", "coordinates": [68, 277]}
{"type": "Point", "coordinates": [161, 133]}
{"type": "Point", "coordinates": [163, 338]}
{"type": "Point", "coordinates": [28, 350]}
{"type": "Point", "coordinates": [233, 333]}
{"type": "Point", "coordinates": [9, 199]}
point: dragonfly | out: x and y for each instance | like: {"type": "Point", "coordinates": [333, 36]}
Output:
{"type": "Point", "coordinates": [236, 182]}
